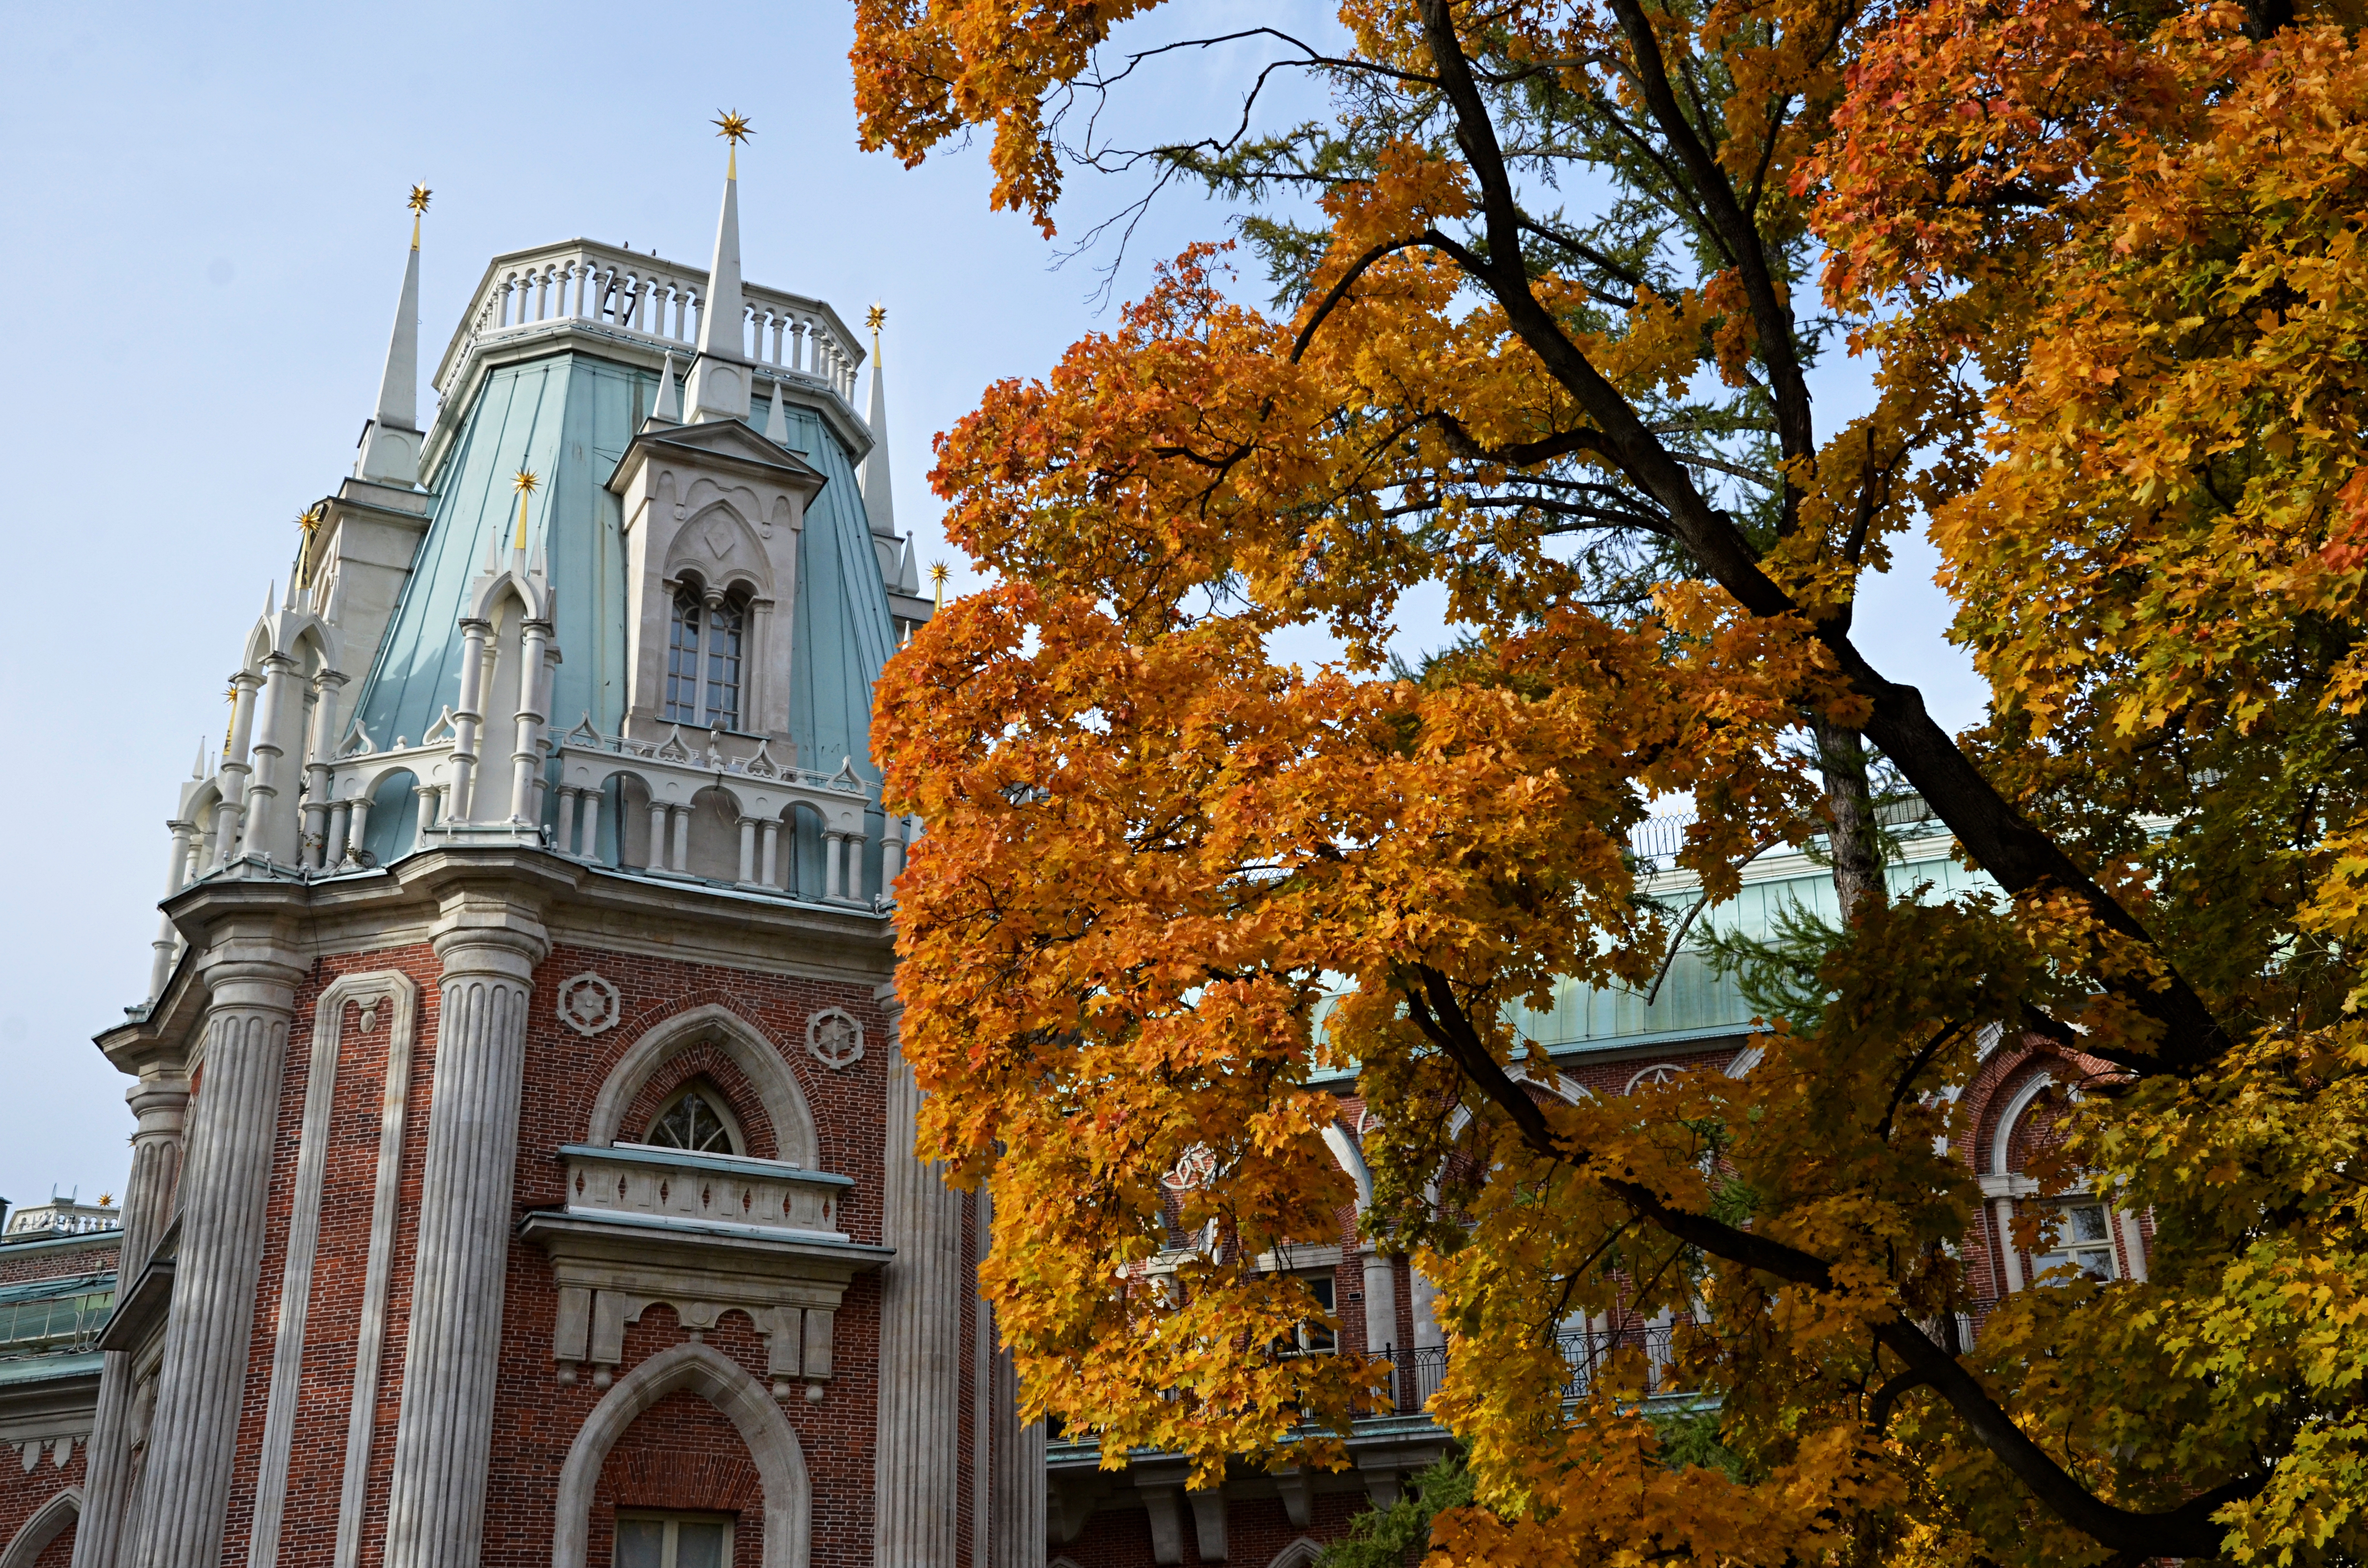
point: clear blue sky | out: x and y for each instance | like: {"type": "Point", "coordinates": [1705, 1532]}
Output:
{"type": "Point", "coordinates": [206, 212]}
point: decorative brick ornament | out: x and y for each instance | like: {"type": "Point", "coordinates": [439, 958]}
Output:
{"type": "Point", "coordinates": [834, 1038]}
{"type": "Point", "coordinates": [587, 1004]}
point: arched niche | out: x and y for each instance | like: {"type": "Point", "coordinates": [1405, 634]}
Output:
{"type": "Point", "coordinates": [724, 1383]}
{"type": "Point", "coordinates": [737, 1039]}
{"type": "Point", "coordinates": [392, 830]}
{"type": "Point", "coordinates": [714, 835]}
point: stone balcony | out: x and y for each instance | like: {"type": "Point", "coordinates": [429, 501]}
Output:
{"type": "Point", "coordinates": [704, 1235]}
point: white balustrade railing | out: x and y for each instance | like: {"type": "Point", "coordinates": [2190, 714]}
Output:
{"type": "Point", "coordinates": [645, 298]}
{"type": "Point", "coordinates": [640, 1181]}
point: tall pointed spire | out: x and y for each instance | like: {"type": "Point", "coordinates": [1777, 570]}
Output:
{"type": "Point", "coordinates": [777, 423]}
{"type": "Point", "coordinates": [720, 381]}
{"type": "Point", "coordinates": [879, 503]}
{"type": "Point", "coordinates": [389, 444]}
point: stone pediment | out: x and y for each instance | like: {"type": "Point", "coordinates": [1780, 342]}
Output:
{"type": "Point", "coordinates": [727, 443]}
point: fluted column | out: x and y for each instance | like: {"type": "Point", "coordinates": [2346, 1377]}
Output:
{"type": "Point", "coordinates": [1017, 1506]}
{"type": "Point", "coordinates": [161, 1101]}
{"type": "Point", "coordinates": [226, 1173]}
{"type": "Point", "coordinates": [443, 1438]}
{"type": "Point", "coordinates": [920, 1337]}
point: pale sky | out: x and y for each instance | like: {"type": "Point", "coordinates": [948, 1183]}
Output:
{"type": "Point", "coordinates": [208, 234]}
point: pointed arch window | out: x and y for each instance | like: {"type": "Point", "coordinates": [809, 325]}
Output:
{"type": "Point", "coordinates": [705, 645]}
{"type": "Point", "coordinates": [726, 624]}
{"type": "Point", "coordinates": [682, 657]}
{"type": "Point", "coordinates": [696, 1119]}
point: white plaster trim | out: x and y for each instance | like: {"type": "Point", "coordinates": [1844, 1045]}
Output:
{"type": "Point", "coordinates": [378, 1275]}
{"type": "Point", "coordinates": [777, 1086]}
{"type": "Point", "coordinates": [368, 990]}
{"type": "Point", "coordinates": [47, 1523]}
{"type": "Point", "coordinates": [1352, 1160]}
{"type": "Point", "coordinates": [2002, 1136]}
{"type": "Point", "coordinates": [724, 1383]}
{"type": "Point", "coordinates": [1296, 1555]}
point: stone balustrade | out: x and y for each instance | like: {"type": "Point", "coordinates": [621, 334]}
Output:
{"type": "Point", "coordinates": [758, 1197]}
{"type": "Point", "coordinates": [644, 297]}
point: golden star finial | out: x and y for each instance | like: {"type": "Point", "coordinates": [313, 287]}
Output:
{"type": "Point", "coordinates": [874, 316]}
{"type": "Point", "coordinates": [309, 521]}
{"type": "Point", "coordinates": [938, 575]}
{"type": "Point", "coordinates": [419, 194]}
{"type": "Point", "coordinates": [733, 125]}
{"type": "Point", "coordinates": [524, 485]}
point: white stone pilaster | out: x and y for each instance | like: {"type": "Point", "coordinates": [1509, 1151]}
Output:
{"type": "Point", "coordinates": [443, 1439]}
{"type": "Point", "coordinates": [226, 1174]}
{"type": "Point", "coordinates": [920, 1337]}
{"type": "Point", "coordinates": [161, 1103]}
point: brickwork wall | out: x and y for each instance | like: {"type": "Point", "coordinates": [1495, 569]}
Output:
{"type": "Point", "coordinates": [23, 1491]}
{"type": "Point", "coordinates": [537, 1417]}
{"type": "Point", "coordinates": [22, 1263]}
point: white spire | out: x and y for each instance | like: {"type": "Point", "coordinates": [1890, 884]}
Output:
{"type": "Point", "coordinates": [777, 423]}
{"type": "Point", "coordinates": [908, 572]}
{"type": "Point", "coordinates": [718, 378]}
{"type": "Point", "coordinates": [879, 505]}
{"type": "Point", "coordinates": [389, 444]}
{"type": "Point", "coordinates": [669, 407]}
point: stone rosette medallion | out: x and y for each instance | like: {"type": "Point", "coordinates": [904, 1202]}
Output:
{"type": "Point", "coordinates": [835, 1038]}
{"type": "Point", "coordinates": [587, 1004]}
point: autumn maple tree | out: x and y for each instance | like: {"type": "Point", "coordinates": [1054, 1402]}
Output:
{"type": "Point", "coordinates": [1551, 283]}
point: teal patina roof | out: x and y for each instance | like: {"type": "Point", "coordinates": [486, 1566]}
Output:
{"type": "Point", "coordinates": [569, 417]}
{"type": "Point", "coordinates": [1693, 1001]}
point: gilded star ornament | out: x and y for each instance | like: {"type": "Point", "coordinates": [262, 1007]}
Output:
{"type": "Point", "coordinates": [874, 316]}
{"type": "Point", "coordinates": [526, 482]}
{"type": "Point", "coordinates": [732, 123]}
{"type": "Point", "coordinates": [419, 194]}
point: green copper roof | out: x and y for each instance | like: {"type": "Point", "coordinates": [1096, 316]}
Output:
{"type": "Point", "coordinates": [569, 418]}
{"type": "Point", "coordinates": [1695, 1003]}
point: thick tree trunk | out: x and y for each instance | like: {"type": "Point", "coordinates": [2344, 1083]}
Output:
{"type": "Point", "coordinates": [1855, 840]}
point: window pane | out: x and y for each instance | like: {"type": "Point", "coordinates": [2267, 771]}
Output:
{"type": "Point", "coordinates": [639, 1543]}
{"type": "Point", "coordinates": [699, 1544]}
{"type": "Point", "coordinates": [2084, 1222]}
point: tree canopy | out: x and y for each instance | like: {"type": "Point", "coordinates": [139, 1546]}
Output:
{"type": "Point", "coordinates": [1550, 283]}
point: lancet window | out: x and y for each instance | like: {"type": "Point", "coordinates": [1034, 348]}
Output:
{"type": "Point", "coordinates": [682, 657]}
{"type": "Point", "coordinates": [705, 644]}
{"type": "Point", "coordinates": [725, 624]}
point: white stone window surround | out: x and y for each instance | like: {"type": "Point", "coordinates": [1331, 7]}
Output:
{"type": "Point", "coordinates": [47, 1522]}
{"type": "Point", "coordinates": [795, 1141]}
{"type": "Point", "coordinates": [2003, 1187]}
{"type": "Point", "coordinates": [772, 1444]}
